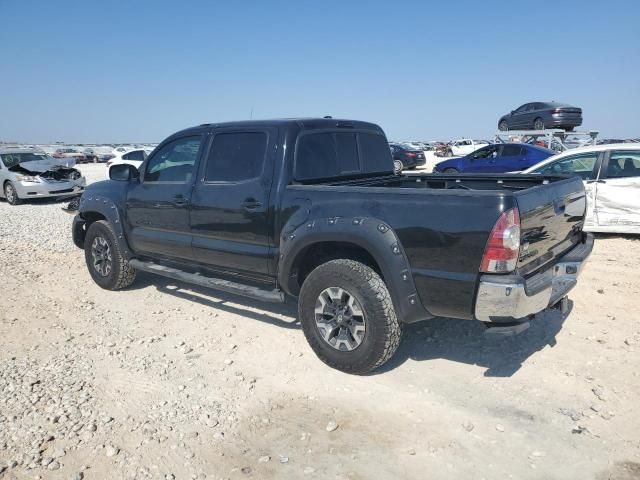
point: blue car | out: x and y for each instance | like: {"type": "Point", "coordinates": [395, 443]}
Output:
{"type": "Point", "coordinates": [496, 158]}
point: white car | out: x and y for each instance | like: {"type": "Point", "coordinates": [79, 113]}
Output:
{"type": "Point", "coordinates": [132, 157]}
{"type": "Point", "coordinates": [611, 175]}
{"type": "Point", "coordinates": [465, 146]}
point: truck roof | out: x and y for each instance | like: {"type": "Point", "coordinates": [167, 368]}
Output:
{"type": "Point", "coordinates": [310, 123]}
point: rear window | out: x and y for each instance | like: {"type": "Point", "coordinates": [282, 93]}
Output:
{"type": "Point", "coordinates": [335, 154]}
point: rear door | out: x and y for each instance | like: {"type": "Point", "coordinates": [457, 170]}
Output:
{"type": "Point", "coordinates": [617, 200]}
{"type": "Point", "coordinates": [509, 159]}
{"type": "Point", "coordinates": [158, 205]}
{"type": "Point", "coordinates": [230, 214]}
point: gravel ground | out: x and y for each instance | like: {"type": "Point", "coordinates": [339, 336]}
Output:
{"type": "Point", "coordinates": [167, 381]}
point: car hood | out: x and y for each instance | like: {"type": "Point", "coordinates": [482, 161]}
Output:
{"type": "Point", "coordinates": [35, 167]}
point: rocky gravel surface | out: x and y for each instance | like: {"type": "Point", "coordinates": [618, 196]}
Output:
{"type": "Point", "coordinates": [167, 381]}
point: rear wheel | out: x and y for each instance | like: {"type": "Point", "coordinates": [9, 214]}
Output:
{"type": "Point", "coordinates": [569, 129]}
{"type": "Point", "coordinates": [348, 317]}
{"type": "Point", "coordinates": [11, 194]}
{"type": "Point", "coordinates": [105, 262]}
{"type": "Point", "coordinates": [538, 124]}
{"type": "Point", "coordinates": [503, 126]}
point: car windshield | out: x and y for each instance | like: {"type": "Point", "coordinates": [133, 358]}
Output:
{"type": "Point", "coordinates": [12, 159]}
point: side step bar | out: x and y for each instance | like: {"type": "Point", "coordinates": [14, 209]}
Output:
{"type": "Point", "coordinates": [273, 296]}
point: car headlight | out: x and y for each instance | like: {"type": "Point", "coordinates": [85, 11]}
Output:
{"type": "Point", "coordinates": [28, 178]}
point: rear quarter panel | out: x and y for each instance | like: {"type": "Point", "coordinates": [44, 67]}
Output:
{"type": "Point", "coordinates": [443, 233]}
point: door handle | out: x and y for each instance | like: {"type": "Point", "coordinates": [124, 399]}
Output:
{"type": "Point", "coordinates": [179, 200]}
{"type": "Point", "coordinates": [251, 204]}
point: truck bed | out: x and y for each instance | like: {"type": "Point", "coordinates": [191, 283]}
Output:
{"type": "Point", "coordinates": [443, 223]}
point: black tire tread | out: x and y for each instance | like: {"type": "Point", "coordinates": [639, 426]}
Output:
{"type": "Point", "coordinates": [382, 308]}
{"type": "Point", "coordinates": [126, 273]}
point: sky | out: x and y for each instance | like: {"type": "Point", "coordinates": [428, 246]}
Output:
{"type": "Point", "coordinates": [137, 71]}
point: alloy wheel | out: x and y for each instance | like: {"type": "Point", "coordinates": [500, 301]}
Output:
{"type": "Point", "coordinates": [101, 255]}
{"type": "Point", "coordinates": [340, 319]}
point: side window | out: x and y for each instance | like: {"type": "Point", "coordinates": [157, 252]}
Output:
{"type": "Point", "coordinates": [580, 165]}
{"type": "Point", "coordinates": [236, 156]}
{"type": "Point", "coordinates": [486, 152]}
{"type": "Point", "coordinates": [174, 162]}
{"type": "Point", "coordinates": [624, 164]}
{"type": "Point", "coordinates": [522, 108]}
{"type": "Point", "coordinates": [137, 155]}
{"type": "Point", "coordinates": [511, 150]}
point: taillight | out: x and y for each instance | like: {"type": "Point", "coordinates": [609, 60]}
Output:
{"type": "Point", "coordinates": [411, 155]}
{"type": "Point", "coordinates": [503, 246]}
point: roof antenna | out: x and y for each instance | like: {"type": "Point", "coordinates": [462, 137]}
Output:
{"type": "Point", "coordinates": [327, 116]}
{"type": "Point", "coordinates": [251, 114]}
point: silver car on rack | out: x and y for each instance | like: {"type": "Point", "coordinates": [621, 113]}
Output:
{"type": "Point", "coordinates": [30, 173]}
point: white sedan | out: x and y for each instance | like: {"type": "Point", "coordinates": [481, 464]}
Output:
{"type": "Point", "coordinates": [611, 175]}
{"type": "Point", "coordinates": [132, 157]}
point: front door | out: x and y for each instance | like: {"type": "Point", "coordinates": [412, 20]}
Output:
{"type": "Point", "coordinates": [230, 215]}
{"type": "Point", "coordinates": [618, 195]}
{"type": "Point", "coordinates": [158, 206]}
{"type": "Point", "coordinates": [587, 167]}
{"type": "Point", "coordinates": [482, 160]}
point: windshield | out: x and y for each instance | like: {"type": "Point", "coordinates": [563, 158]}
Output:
{"type": "Point", "coordinates": [12, 159]}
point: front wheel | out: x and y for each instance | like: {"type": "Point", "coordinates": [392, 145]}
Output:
{"type": "Point", "coordinates": [11, 194]}
{"type": "Point", "coordinates": [108, 268]}
{"type": "Point", "coordinates": [450, 170]}
{"type": "Point", "coordinates": [348, 317]}
{"type": "Point", "coordinates": [503, 126]}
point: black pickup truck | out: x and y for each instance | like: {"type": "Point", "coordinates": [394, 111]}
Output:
{"type": "Point", "coordinates": [311, 208]}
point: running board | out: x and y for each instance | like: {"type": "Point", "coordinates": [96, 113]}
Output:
{"type": "Point", "coordinates": [273, 296]}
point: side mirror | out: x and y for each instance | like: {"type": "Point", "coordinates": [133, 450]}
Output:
{"type": "Point", "coordinates": [124, 173]}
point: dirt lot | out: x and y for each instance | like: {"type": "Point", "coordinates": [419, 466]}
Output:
{"type": "Point", "coordinates": [165, 381]}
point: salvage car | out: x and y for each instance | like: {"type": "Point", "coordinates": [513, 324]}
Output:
{"type": "Point", "coordinates": [131, 157]}
{"type": "Point", "coordinates": [406, 158]}
{"type": "Point", "coordinates": [497, 158]}
{"type": "Point", "coordinates": [541, 115]}
{"type": "Point", "coordinates": [312, 209]}
{"type": "Point", "coordinates": [26, 173]}
{"type": "Point", "coordinates": [611, 176]}
{"type": "Point", "coordinates": [465, 146]}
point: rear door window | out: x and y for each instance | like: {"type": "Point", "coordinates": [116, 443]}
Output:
{"type": "Point", "coordinates": [236, 156]}
{"type": "Point", "coordinates": [511, 151]}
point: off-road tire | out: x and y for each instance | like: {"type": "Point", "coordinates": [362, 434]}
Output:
{"type": "Point", "coordinates": [383, 330]}
{"type": "Point", "coordinates": [122, 274]}
{"type": "Point", "coordinates": [12, 199]}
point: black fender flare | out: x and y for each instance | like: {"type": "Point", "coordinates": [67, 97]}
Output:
{"type": "Point", "coordinates": [107, 208]}
{"type": "Point", "coordinates": [374, 236]}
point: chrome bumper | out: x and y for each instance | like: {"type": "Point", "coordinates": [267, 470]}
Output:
{"type": "Point", "coordinates": [509, 298]}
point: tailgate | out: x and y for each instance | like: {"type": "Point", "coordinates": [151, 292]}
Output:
{"type": "Point", "coordinates": [551, 219]}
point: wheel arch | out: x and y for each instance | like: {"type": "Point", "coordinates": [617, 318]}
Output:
{"type": "Point", "coordinates": [368, 240]}
{"type": "Point", "coordinates": [93, 209]}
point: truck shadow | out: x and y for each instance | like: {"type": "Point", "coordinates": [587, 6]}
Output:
{"type": "Point", "coordinates": [442, 338]}
{"type": "Point", "coordinates": [284, 315]}
{"type": "Point", "coordinates": [464, 341]}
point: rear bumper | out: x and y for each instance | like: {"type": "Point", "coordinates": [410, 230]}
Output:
{"type": "Point", "coordinates": [563, 121]}
{"type": "Point", "coordinates": [512, 298]}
